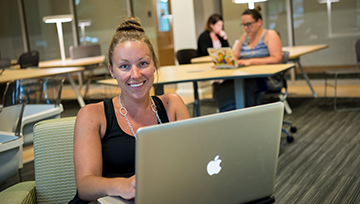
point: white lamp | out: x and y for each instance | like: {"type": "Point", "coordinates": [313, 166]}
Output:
{"type": "Point", "coordinates": [249, 2]}
{"type": "Point", "coordinates": [82, 24]}
{"type": "Point", "coordinates": [328, 5]}
{"type": "Point", "coordinates": [59, 19]}
{"type": "Point", "coordinates": [328, 1]}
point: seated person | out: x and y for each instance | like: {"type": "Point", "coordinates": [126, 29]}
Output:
{"type": "Point", "coordinates": [256, 46]}
{"type": "Point", "coordinates": [105, 132]}
{"type": "Point", "coordinates": [213, 36]}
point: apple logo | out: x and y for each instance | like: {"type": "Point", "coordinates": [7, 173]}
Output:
{"type": "Point", "coordinates": [213, 166]}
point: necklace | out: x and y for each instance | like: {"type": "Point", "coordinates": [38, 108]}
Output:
{"type": "Point", "coordinates": [123, 109]}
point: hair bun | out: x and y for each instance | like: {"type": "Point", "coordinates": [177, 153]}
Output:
{"type": "Point", "coordinates": [130, 23]}
{"type": "Point", "coordinates": [258, 8]}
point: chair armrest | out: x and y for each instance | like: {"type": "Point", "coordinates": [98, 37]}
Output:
{"type": "Point", "coordinates": [23, 192]}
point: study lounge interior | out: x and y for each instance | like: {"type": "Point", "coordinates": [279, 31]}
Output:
{"type": "Point", "coordinates": [319, 166]}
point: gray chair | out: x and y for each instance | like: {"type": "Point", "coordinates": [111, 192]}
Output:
{"type": "Point", "coordinates": [84, 51]}
{"type": "Point", "coordinates": [336, 73]}
{"type": "Point", "coordinates": [54, 167]}
{"type": "Point", "coordinates": [11, 141]}
{"type": "Point", "coordinates": [43, 98]}
{"type": "Point", "coordinates": [282, 94]}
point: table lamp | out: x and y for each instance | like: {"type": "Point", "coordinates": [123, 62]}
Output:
{"type": "Point", "coordinates": [251, 3]}
{"type": "Point", "coordinates": [82, 24]}
{"type": "Point", "coordinates": [59, 19]}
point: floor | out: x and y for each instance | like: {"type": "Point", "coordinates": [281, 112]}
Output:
{"type": "Point", "coordinates": [320, 166]}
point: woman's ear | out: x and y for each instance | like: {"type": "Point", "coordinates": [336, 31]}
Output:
{"type": "Point", "coordinates": [111, 71]}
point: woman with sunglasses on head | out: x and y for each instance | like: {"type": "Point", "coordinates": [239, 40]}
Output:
{"type": "Point", "coordinates": [256, 46]}
{"type": "Point", "coordinates": [105, 132]}
{"type": "Point", "coordinates": [213, 36]}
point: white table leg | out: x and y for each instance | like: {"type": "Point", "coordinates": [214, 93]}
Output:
{"type": "Point", "coordinates": [78, 96]}
{"type": "Point", "coordinates": [297, 60]}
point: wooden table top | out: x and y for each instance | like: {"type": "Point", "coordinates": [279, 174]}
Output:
{"type": "Point", "coordinates": [14, 74]}
{"type": "Point", "coordinates": [294, 51]}
{"type": "Point", "coordinates": [297, 51]}
{"type": "Point", "coordinates": [73, 62]}
{"type": "Point", "coordinates": [205, 71]}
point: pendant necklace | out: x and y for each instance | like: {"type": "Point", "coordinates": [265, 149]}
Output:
{"type": "Point", "coordinates": [123, 109]}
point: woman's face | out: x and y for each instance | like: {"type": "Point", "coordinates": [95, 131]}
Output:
{"type": "Point", "coordinates": [217, 27]}
{"type": "Point", "coordinates": [133, 68]}
{"type": "Point", "coordinates": [250, 25]}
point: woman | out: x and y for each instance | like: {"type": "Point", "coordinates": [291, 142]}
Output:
{"type": "Point", "coordinates": [213, 36]}
{"type": "Point", "coordinates": [105, 132]}
{"type": "Point", "coordinates": [256, 46]}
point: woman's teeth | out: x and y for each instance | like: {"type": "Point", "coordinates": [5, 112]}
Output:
{"type": "Point", "coordinates": [137, 85]}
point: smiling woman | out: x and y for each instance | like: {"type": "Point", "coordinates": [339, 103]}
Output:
{"type": "Point", "coordinates": [105, 132]}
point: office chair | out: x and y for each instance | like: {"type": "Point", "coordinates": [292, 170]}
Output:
{"type": "Point", "coordinates": [184, 56]}
{"type": "Point", "coordinates": [11, 141]}
{"type": "Point", "coordinates": [43, 101]}
{"type": "Point", "coordinates": [54, 166]}
{"type": "Point", "coordinates": [282, 93]}
{"type": "Point", "coordinates": [29, 59]}
{"type": "Point", "coordinates": [336, 73]}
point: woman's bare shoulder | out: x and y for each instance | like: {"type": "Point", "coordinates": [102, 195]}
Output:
{"type": "Point", "coordinates": [170, 98]}
{"type": "Point", "coordinates": [91, 110]}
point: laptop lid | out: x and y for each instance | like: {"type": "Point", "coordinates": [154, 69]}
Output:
{"type": "Point", "coordinates": [223, 58]}
{"type": "Point", "coordinates": [227, 157]}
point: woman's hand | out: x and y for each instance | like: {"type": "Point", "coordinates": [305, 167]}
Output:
{"type": "Point", "coordinates": [223, 34]}
{"type": "Point", "coordinates": [245, 62]}
{"type": "Point", "coordinates": [125, 188]}
{"type": "Point", "coordinates": [129, 188]}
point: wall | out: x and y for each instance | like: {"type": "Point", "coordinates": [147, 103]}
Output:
{"type": "Point", "coordinates": [183, 24]}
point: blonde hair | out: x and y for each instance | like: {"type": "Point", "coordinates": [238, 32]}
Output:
{"type": "Point", "coordinates": [130, 30]}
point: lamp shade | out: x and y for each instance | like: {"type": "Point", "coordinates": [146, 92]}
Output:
{"type": "Point", "coordinates": [247, 1]}
{"type": "Point", "coordinates": [58, 18]}
{"type": "Point", "coordinates": [326, 1]}
{"type": "Point", "coordinates": [84, 23]}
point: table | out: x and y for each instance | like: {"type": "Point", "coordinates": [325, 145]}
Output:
{"type": "Point", "coordinates": [87, 62]}
{"type": "Point", "coordinates": [295, 53]}
{"type": "Point", "coordinates": [15, 74]}
{"type": "Point", "coordinates": [206, 72]}
{"type": "Point", "coordinates": [82, 62]}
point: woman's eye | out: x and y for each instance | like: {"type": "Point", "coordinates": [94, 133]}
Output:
{"type": "Point", "coordinates": [143, 64]}
{"type": "Point", "coordinates": [124, 66]}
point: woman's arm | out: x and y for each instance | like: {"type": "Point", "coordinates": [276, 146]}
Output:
{"type": "Point", "coordinates": [237, 48]}
{"type": "Point", "coordinates": [89, 126]}
{"type": "Point", "coordinates": [272, 40]}
{"type": "Point", "coordinates": [204, 42]}
{"type": "Point", "coordinates": [175, 107]}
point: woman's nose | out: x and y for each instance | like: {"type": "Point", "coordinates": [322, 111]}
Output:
{"type": "Point", "coordinates": [135, 72]}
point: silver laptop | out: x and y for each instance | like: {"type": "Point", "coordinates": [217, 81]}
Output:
{"type": "Point", "coordinates": [223, 58]}
{"type": "Point", "coordinates": [228, 157]}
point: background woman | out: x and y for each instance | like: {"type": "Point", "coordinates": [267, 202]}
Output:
{"type": "Point", "coordinates": [213, 36]}
{"type": "Point", "coordinates": [256, 46]}
{"type": "Point", "coordinates": [105, 132]}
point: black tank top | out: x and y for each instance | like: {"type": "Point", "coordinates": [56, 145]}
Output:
{"type": "Point", "coordinates": [118, 147]}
